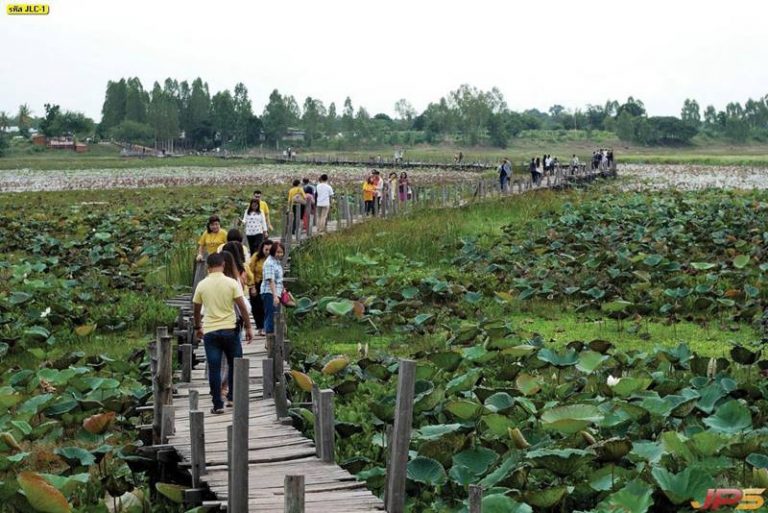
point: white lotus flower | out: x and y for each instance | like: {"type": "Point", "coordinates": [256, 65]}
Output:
{"type": "Point", "coordinates": [45, 313]}
{"type": "Point", "coordinates": [612, 382]}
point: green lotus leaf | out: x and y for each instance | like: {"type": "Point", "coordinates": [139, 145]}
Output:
{"type": "Point", "coordinates": [608, 478]}
{"type": "Point", "coordinates": [743, 355]}
{"type": "Point", "coordinates": [478, 459]}
{"type": "Point", "coordinates": [635, 497]}
{"type": "Point", "coordinates": [565, 360]}
{"type": "Point", "coordinates": [547, 497]}
{"type": "Point", "coordinates": [690, 484]}
{"type": "Point", "coordinates": [464, 409]}
{"type": "Point", "coordinates": [617, 306]}
{"type": "Point", "coordinates": [462, 475]}
{"type": "Point", "coordinates": [446, 360]}
{"type": "Point", "coordinates": [589, 361]}
{"type": "Point", "coordinates": [527, 384]}
{"type": "Point", "coordinates": [422, 319]}
{"type": "Point", "coordinates": [703, 266]}
{"type": "Point", "coordinates": [498, 503]}
{"type": "Point", "coordinates": [426, 471]}
{"type": "Point", "coordinates": [444, 447]}
{"type": "Point", "coordinates": [463, 382]}
{"type": "Point", "coordinates": [612, 450]}
{"type": "Point", "coordinates": [740, 261]}
{"type": "Point", "coordinates": [571, 418]}
{"type": "Point", "coordinates": [519, 351]}
{"type": "Point", "coordinates": [435, 431]}
{"type": "Point", "coordinates": [499, 402]}
{"type": "Point", "coordinates": [629, 385]}
{"type": "Point", "coordinates": [409, 292]}
{"type": "Point", "coordinates": [173, 492]}
{"type": "Point", "coordinates": [498, 424]}
{"type": "Point", "coordinates": [732, 418]}
{"type": "Point", "coordinates": [562, 462]}
{"type": "Point", "coordinates": [42, 496]}
{"type": "Point", "coordinates": [8, 398]}
{"type": "Point", "coordinates": [75, 456]}
{"type": "Point", "coordinates": [67, 484]}
{"type": "Point", "coordinates": [340, 308]}
{"type": "Point", "coordinates": [758, 460]}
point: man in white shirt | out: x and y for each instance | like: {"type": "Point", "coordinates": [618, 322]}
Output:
{"type": "Point", "coordinates": [324, 195]}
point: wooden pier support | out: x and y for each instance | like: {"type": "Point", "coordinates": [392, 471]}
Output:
{"type": "Point", "coordinates": [294, 494]}
{"type": "Point", "coordinates": [401, 437]}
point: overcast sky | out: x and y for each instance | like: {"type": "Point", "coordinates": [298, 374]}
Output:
{"type": "Point", "coordinates": [538, 53]}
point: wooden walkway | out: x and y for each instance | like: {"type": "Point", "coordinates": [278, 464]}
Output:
{"type": "Point", "coordinates": [275, 448]}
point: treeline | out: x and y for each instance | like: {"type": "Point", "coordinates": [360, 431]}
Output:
{"type": "Point", "coordinates": [187, 115]}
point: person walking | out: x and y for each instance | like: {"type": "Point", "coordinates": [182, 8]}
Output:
{"type": "Point", "coordinates": [404, 187]}
{"type": "Point", "coordinates": [296, 196]}
{"type": "Point", "coordinates": [392, 186]}
{"type": "Point", "coordinates": [369, 191]}
{"type": "Point", "coordinates": [256, 265]}
{"type": "Point", "coordinates": [504, 170]}
{"type": "Point", "coordinates": [532, 170]}
{"type": "Point", "coordinates": [323, 202]}
{"type": "Point", "coordinates": [574, 164]}
{"type": "Point", "coordinates": [272, 285]}
{"type": "Point", "coordinates": [219, 295]}
{"type": "Point", "coordinates": [263, 206]}
{"type": "Point", "coordinates": [378, 181]}
{"type": "Point", "coordinates": [211, 239]}
{"type": "Point", "coordinates": [256, 229]}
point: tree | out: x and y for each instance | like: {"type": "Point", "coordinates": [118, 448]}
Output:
{"type": "Point", "coordinates": [331, 121]}
{"type": "Point", "coordinates": [691, 113]}
{"type": "Point", "coordinates": [735, 127]}
{"type": "Point", "coordinates": [595, 117]}
{"type": "Point", "coordinates": [275, 118]}
{"type": "Point", "coordinates": [474, 108]}
{"type": "Point", "coordinates": [312, 120]}
{"type": "Point", "coordinates": [362, 124]}
{"type": "Point", "coordinates": [136, 101]}
{"type": "Point", "coordinates": [243, 116]}
{"type": "Point", "coordinates": [223, 116]}
{"type": "Point", "coordinates": [50, 126]}
{"type": "Point", "coordinates": [348, 117]}
{"type": "Point", "coordinates": [668, 130]}
{"type": "Point", "coordinates": [5, 120]}
{"type": "Point", "coordinates": [164, 114]}
{"type": "Point", "coordinates": [113, 109]}
{"type": "Point", "coordinates": [498, 129]}
{"type": "Point", "coordinates": [625, 126]}
{"type": "Point", "coordinates": [634, 108]}
{"type": "Point", "coordinates": [199, 129]}
{"type": "Point", "coordinates": [133, 132]}
{"type": "Point", "coordinates": [24, 119]}
{"type": "Point", "coordinates": [405, 110]}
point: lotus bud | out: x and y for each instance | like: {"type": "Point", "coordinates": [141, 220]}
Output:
{"type": "Point", "coordinates": [587, 436]}
{"type": "Point", "coordinates": [366, 349]}
{"type": "Point", "coordinates": [712, 368]}
{"type": "Point", "coordinates": [612, 382]}
{"type": "Point", "coordinates": [518, 439]}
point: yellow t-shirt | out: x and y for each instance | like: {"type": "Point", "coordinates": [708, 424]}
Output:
{"type": "Point", "coordinates": [212, 241]}
{"type": "Point", "coordinates": [256, 266]}
{"type": "Point", "coordinates": [217, 294]}
{"type": "Point", "coordinates": [264, 210]}
{"type": "Point", "coordinates": [368, 190]}
{"type": "Point", "coordinates": [293, 191]}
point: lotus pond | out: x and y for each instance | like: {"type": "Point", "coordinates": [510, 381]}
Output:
{"type": "Point", "coordinates": [608, 420]}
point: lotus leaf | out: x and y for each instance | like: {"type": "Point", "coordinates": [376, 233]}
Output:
{"type": "Point", "coordinates": [67, 484]}
{"type": "Point", "coordinates": [75, 456]}
{"type": "Point", "coordinates": [464, 381]}
{"type": "Point", "coordinates": [426, 471]}
{"type": "Point", "coordinates": [740, 261]}
{"type": "Point", "coordinates": [303, 381]}
{"type": "Point", "coordinates": [8, 397]}
{"type": "Point", "coordinates": [759, 461]}
{"type": "Point", "coordinates": [589, 361]}
{"type": "Point", "coordinates": [99, 423]}
{"type": "Point", "coordinates": [340, 308]}
{"type": "Point", "coordinates": [608, 478]}
{"type": "Point", "coordinates": [498, 503]}
{"type": "Point", "coordinates": [478, 460]}
{"type": "Point", "coordinates": [436, 431]}
{"type": "Point", "coordinates": [443, 448]}
{"type": "Point", "coordinates": [565, 360]}
{"type": "Point", "coordinates": [743, 355]}
{"type": "Point", "coordinates": [462, 475]}
{"type": "Point", "coordinates": [374, 477]}
{"type": "Point", "coordinates": [527, 384]}
{"type": "Point", "coordinates": [9, 440]}
{"type": "Point", "coordinates": [464, 409]}
{"type": "Point", "coordinates": [384, 408]}
{"type": "Point", "coordinates": [42, 495]}
{"type": "Point", "coordinates": [173, 492]}
{"type": "Point", "coordinates": [132, 502]}
{"type": "Point", "coordinates": [518, 351]}
{"type": "Point", "coordinates": [499, 402]}
{"type": "Point", "coordinates": [732, 417]}
{"type": "Point", "coordinates": [635, 497]}
{"type": "Point", "coordinates": [630, 385]}
{"type": "Point", "coordinates": [613, 449]}
{"type": "Point", "coordinates": [570, 418]}
{"type": "Point", "coordinates": [562, 462]}
{"type": "Point", "coordinates": [690, 484]}
{"type": "Point", "coordinates": [497, 424]}
{"type": "Point", "coordinates": [335, 365]}
{"type": "Point", "coordinates": [446, 360]}
{"type": "Point", "coordinates": [85, 330]}
{"type": "Point", "coordinates": [545, 498]}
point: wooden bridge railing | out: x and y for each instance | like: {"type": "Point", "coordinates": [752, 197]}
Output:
{"type": "Point", "coordinates": [349, 210]}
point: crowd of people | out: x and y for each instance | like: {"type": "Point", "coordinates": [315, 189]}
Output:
{"type": "Point", "coordinates": [539, 167]}
{"type": "Point", "coordinates": [245, 273]}
{"type": "Point", "coordinates": [602, 159]}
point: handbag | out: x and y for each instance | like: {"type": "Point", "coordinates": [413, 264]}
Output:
{"type": "Point", "coordinates": [286, 298]}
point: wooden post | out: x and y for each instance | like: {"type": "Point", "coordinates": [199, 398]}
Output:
{"type": "Point", "coordinates": [327, 427]}
{"type": "Point", "coordinates": [298, 222]}
{"type": "Point", "coordinates": [230, 484]}
{"type": "Point", "coordinates": [194, 397]}
{"type": "Point", "coordinates": [197, 445]}
{"type": "Point", "coordinates": [401, 437]}
{"type": "Point", "coordinates": [475, 498]}
{"type": "Point", "coordinates": [269, 378]}
{"type": "Point", "coordinates": [240, 437]}
{"type": "Point", "coordinates": [161, 383]}
{"type": "Point", "coordinates": [294, 494]}
{"type": "Point", "coordinates": [316, 414]}
{"type": "Point", "coordinates": [348, 211]}
{"type": "Point", "coordinates": [186, 362]}
{"type": "Point", "coordinates": [168, 426]}
{"type": "Point", "coordinates": [281, 400]}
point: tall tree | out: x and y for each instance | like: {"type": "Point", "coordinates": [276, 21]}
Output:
{"type": "Point", "coordinates": [275, 118]}
{"type": "Point", "coordinates": [243, 115]}
{"type": "Point", "coordinates": [113, 109]}
{"type": "Point", "coordinates": [691, 113]}
{"type": "Point", "coordinates": [348, 117]}
{"type": "Point", "coordinates": [223, 116]}
{"type": "Point", "coordinates": [24, 118]}
{"type": "Point", "coordinates": [405, 111]}
{"type": "Point", "coordinates": [136, 101]}
{"type": "Point", "coordinates": [199, 130]}
{"type": "Point", "coordinates": [331, 121]}
{"type": "Point", "coordinates": [164, 115]}
{"type": "Point", "coordinates": [314, 112]}
{"type": "Point", "coordinates": [5, 120]}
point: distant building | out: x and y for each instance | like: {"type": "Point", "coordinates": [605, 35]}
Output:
{"type": "Point", "coordinates": [294, 134]}
{"type": "Point", "coordinates": [63, 143]}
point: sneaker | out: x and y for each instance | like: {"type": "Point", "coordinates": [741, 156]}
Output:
{"type": "Point", "coordinates": [217, 411]}
{"type": "Point", "coordinates": [229, 404]}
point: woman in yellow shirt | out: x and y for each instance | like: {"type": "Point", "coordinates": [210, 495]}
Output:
{"type": "Point", "coordinates": [296, 196]}
{"type": "Point", "coordinates": [211, 239]}
{"type": "Point", "coordinates": [256, 265]}
{"type": "Point", "coordinates": [369, 188]}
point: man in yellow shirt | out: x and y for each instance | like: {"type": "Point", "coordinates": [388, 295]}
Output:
{"type": "Point", "coordinates": [263, 207]}
{"type": "Point", "coordinates": [220, 294]}
{"type": "Point", "coordinates": [211, 239]}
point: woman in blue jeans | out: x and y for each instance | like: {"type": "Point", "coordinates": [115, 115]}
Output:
{"type": "Point", "coordinates": [272, 285]}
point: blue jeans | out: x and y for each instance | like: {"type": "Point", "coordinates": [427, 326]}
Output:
{"type": "Point", "coordinates": [503, 183]}
{"type": "Point", "coordinates": [218, 343]}
{"type": "Point", "coordinates": [269, 312]}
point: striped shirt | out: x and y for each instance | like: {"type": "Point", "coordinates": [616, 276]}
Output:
{"type": "Point", "coordinates": [273, 271]}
